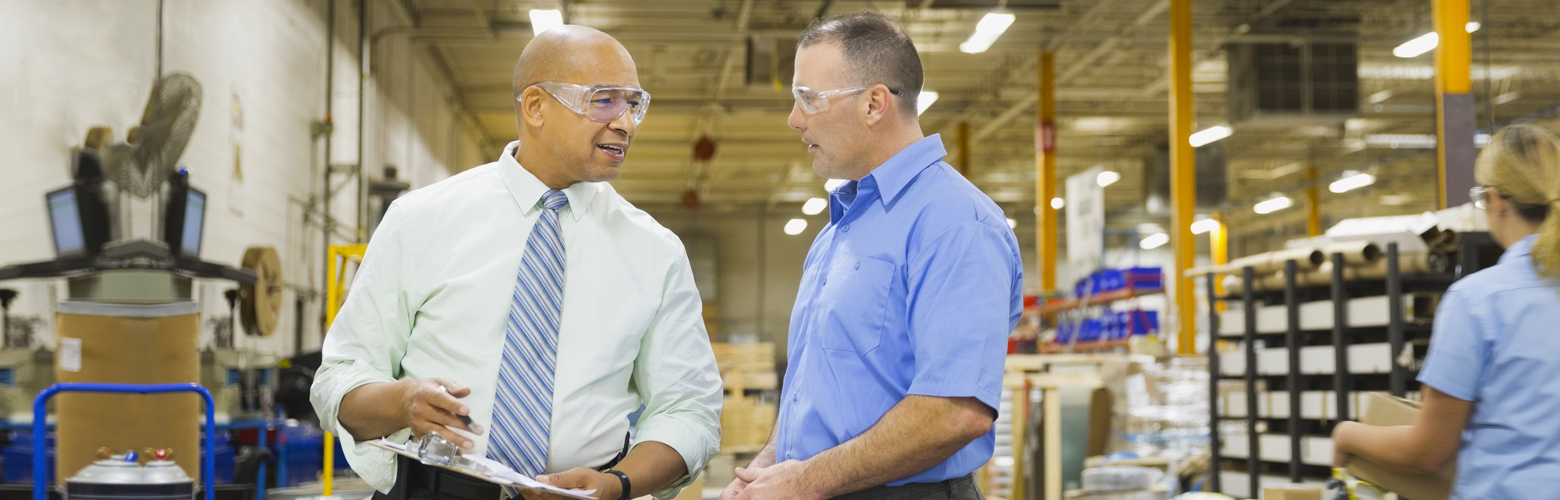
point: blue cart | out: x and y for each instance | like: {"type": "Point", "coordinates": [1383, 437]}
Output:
{"type": "Point", "coordinates": [40, 428]}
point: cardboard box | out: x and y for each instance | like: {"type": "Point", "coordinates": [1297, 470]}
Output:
{"type": "Point", "coordinates": [1385, 410]}
{"type": "Point", "coordinates": [1291, 493]}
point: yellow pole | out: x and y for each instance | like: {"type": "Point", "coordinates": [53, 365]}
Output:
{"type": "Point", "coordinates": [964, 150]}
{"type": "Point", "coordinates": [1219, 251]}
{"type": "Point", "coordinates": [1454, 106]}
{"type": "Point", "coordinates": [335, 292]}
{"type": "Point", "coordinates": [1045, 166]}
{"type": "Point", "coordinates": [1183, 170]}
{"type": "Point", "coordinates": [330, 463]}
{"type": "Point", "coordinates": [1313, 205]}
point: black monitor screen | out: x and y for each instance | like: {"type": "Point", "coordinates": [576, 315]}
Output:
{"type": "Point", "coordinates": [194, 219]}
{"type": "Point", "coordinates": [65, 220]}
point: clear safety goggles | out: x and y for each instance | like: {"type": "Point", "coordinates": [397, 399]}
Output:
{"type": "Point", "coordinates": [813, 102]}
{"type": "Point", "coordinates": [600, 103]}
{"type": "Point", "coordinates": [1480, 196]}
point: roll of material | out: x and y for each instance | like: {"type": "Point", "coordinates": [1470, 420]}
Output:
{"type": "Point", "coordinates": [1306, 259]}
{"type": "Point", "coordinates": [1408, 263]}
{"type": "Point", "coordinates": [1355, 253]}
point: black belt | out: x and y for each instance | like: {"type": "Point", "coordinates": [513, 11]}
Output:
{"type": "Point", "coordinates": [912, 490]}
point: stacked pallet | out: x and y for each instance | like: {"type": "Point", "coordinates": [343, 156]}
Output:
{"type": "Point", "coordinates": [748, 371]}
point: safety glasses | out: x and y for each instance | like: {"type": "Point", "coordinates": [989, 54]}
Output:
{"type": "Point", "coordinates": [600, 103]}
{"type": "Point", "coordinates": [1480, 195]}
{"type": "Point", "coordinates": [813, 102]}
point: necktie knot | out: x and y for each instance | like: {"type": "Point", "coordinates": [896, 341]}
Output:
{"type": "Point", "coordinates": [553, 200]}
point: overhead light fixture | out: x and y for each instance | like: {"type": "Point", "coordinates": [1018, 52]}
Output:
{"type": "Point", "coordinates": [1209, 135]}
{"type": "Point", "coordinates": [1481, 140]}
{"type": "Point", "coordinates": [814, 206]}
{"type": "Point", "coordinates": [1058, 203]}
{"type": "Point", "coordinates": [833, 184]}
{"type": "Point", "coordinates": [1351, 181]}
{"type": "Point", "coordinates": [795, 226]}
{"type": "Point", "coordinates": [924, 101]}
{"type": "Point", "coordinates": [1275, 204]}
{"type": "Point", "coordinates": [1153, 241]}
{"type": "Point", "coordinates": [1204, 226]}
{"type": "Point", "coordinates": [1107, 178]}
{"type": "Point", "coordinates": [1417, 46]}
{"type": "Point", "coordinates": [1402, 141]}
{"type": "Point", "coordinates": [986, 32]}
{"type": "Point", "coordinates": [543, 20]}
{"type": "Point", "coordinates": [1506, 97]}
{"type": "Point", "coordinates": [1012, 224]}
{"type": "Point", "coordinates": [1472, 26]}
{"type": "Point", "coordinates": [1378, 97]}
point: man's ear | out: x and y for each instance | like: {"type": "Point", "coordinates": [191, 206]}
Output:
{"type": "Point", "coordinates": [530, 107]}
{"type": "Point", "coordinates": [875, 104]}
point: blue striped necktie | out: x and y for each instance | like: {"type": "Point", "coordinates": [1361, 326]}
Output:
{"type": "Point", "coordinates": [522, 410]}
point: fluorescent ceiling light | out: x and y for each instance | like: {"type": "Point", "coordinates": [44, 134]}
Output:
{"type": "Point", "coordinates": [986, 32]}
{"type": "Point", "coordinates": [1107, 178]}
{"type": "Point", "coordinates": [1507, 97]}
{"type": "Point", "coordinates": [924, 101]}
{"type": "Point", "coordinates": [814, 206]}
{"type": "Point", "coordinates": [833, 184]}
{"type": "Point", "coordinates": [1378, 97]}
{"type": "Point", "coordinates": [795, 226]}
{"type": "Point", "coordinates": [1273, 205]}
{"type": "Point", "coordinates": [1417, 46]}
{"type": "Point", "coordinates": [1153, 241]}
{"type": "Point", "coordinates": [1012, 224]}
{"type": "Point", "coordinates": [1351, 180]}
{"type": "Point", "coordinates": [1058, 203]}
{"type": "Point", "coordinates": [1204, 226]}
{"type": "Point", "coordinates": [1396, 141]}
{"type": "Point", "coordinates": [1481, 140]}
{"type": "Point", "coordinates": [1209, 135]}
{"type": "Point", "coordinates": [1472, 26]}
{"type": "Point", "coordinates": [543, 20]}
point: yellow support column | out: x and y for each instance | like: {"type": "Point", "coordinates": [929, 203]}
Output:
{"type": "Point", "coordinates": [1219, 251]}
{"type": "Point", "coordinates": [1313, 203]}
{"type": "Point", "coordinates": [1454, 107]}
{"type": "Point", "coordinates": [1183, 171]}
{"type": "Point", "coordinates": [335, 293]}
{"type": "Point", "coordinates": [1045, 167]}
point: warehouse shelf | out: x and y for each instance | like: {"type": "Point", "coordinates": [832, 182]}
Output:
{"type": "Point", "coordinates": [1273, 338]}
{"type": "Point", "coordinates": [1098, 299]}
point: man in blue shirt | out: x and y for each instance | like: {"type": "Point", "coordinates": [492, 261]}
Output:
{"type": "Point", "coordinates": [907, 297]}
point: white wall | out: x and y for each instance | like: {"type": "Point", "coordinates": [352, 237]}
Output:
{"type": "Point", "coordinates": [66, 66]}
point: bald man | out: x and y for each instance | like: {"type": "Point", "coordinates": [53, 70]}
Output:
{"type": "Point", "coordinates": [529, 297]}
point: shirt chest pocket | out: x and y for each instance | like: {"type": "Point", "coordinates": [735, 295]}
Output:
{"type": "Point", "coordinates": [854, 303]}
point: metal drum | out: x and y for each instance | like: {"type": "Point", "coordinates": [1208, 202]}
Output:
{"type": "Point", "coordinates": [120, 477]}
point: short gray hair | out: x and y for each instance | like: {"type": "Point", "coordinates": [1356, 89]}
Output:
{"type": "Point", "coordinates": [877, 50]}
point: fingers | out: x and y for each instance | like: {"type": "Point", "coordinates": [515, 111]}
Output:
{"type": "Point", "coordinates": [454, 388]}
{"type": "Point", "coordinates": [747, 475]}
{"type": "Point", "coordinates": [445, 398]}
{"type": "Point", "coordinates": [733, 489]}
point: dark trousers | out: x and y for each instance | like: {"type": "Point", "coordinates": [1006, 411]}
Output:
{"type": "Point", "coordinates": [415, 481]}
{"type": "Point", "coordinates": [953, 489]}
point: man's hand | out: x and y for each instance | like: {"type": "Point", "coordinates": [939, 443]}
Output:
{"type": "Point", "coordinates": [607, 486]}
{"type": "Point", "coordinates": [432, 404]}
{"type": "Point", "coordinates": [1341, 454]}
{"type": "Point", "coordinates": [737, 485]}
{"type": "Point", "coordinates": [786, 479]}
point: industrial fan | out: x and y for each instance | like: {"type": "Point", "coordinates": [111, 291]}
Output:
{"type": "Point", "coordinates": [142, 163]}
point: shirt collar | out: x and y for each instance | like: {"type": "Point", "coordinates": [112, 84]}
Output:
{"type": "Point", "coordinates": [528, 190]}
{"type": "Point", "coordinates": [893, 175]}
{"type": "Point", "coordinates": [1522, 248]}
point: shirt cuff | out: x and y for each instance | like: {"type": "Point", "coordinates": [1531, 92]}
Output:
{"type": "Point", "coordinates": [695, 450]}
{"type": "Point", "coordinates": [375, 466]}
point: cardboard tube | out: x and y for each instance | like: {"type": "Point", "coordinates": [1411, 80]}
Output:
{"type": "Point", "coordinates": [1355, 253]}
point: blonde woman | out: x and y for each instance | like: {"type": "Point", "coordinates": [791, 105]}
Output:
{"type": "Point", "coordinates": [1492, 377]}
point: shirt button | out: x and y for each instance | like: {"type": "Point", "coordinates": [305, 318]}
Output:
{"type": "Point", "coordinates": [858, 265]}
{"type": "Point", "coordinates": [845, 228]}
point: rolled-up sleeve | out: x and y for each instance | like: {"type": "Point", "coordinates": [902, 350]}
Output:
{"type": "Point", "coordinates": [676, 377]}
{"type": "Point", "coordinates": [364, 345]}
{"type": "Point", "coordinates": [961, 304]}
{"type": "Point", "coordinates": [1456, 361]}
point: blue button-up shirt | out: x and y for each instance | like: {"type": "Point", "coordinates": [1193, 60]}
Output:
{"type": "Point", "coordinates": [912, 288]}
{"type": "Point", "coordinates": [1496, 342]}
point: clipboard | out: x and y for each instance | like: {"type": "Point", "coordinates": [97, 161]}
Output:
{"type": "Point", "coordinates": [510, 480]}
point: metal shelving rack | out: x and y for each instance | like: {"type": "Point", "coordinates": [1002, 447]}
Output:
{"type": "Point", "coordinates": [1473, 254]}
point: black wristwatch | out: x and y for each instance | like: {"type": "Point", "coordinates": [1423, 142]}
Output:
{"type": "Point", "coordinates": [623, 478]}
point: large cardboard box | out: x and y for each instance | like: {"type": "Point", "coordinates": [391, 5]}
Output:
{"type": "Point", "coordinates": [1385, 410]}
{"type": "Point", "coordinates": [1291, 493]}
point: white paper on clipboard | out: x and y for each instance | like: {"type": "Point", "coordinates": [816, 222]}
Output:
{"type": "Point", "coordinates": [503, 474]}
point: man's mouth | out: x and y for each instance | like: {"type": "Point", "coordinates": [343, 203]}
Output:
{"type": "Point", "coordinates": [616, 151]}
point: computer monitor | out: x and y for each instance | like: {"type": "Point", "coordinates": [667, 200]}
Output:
{"type": "Point", "coordinates": [194, 223]}
{"type": "Point", "coordinates": [65, 221]}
